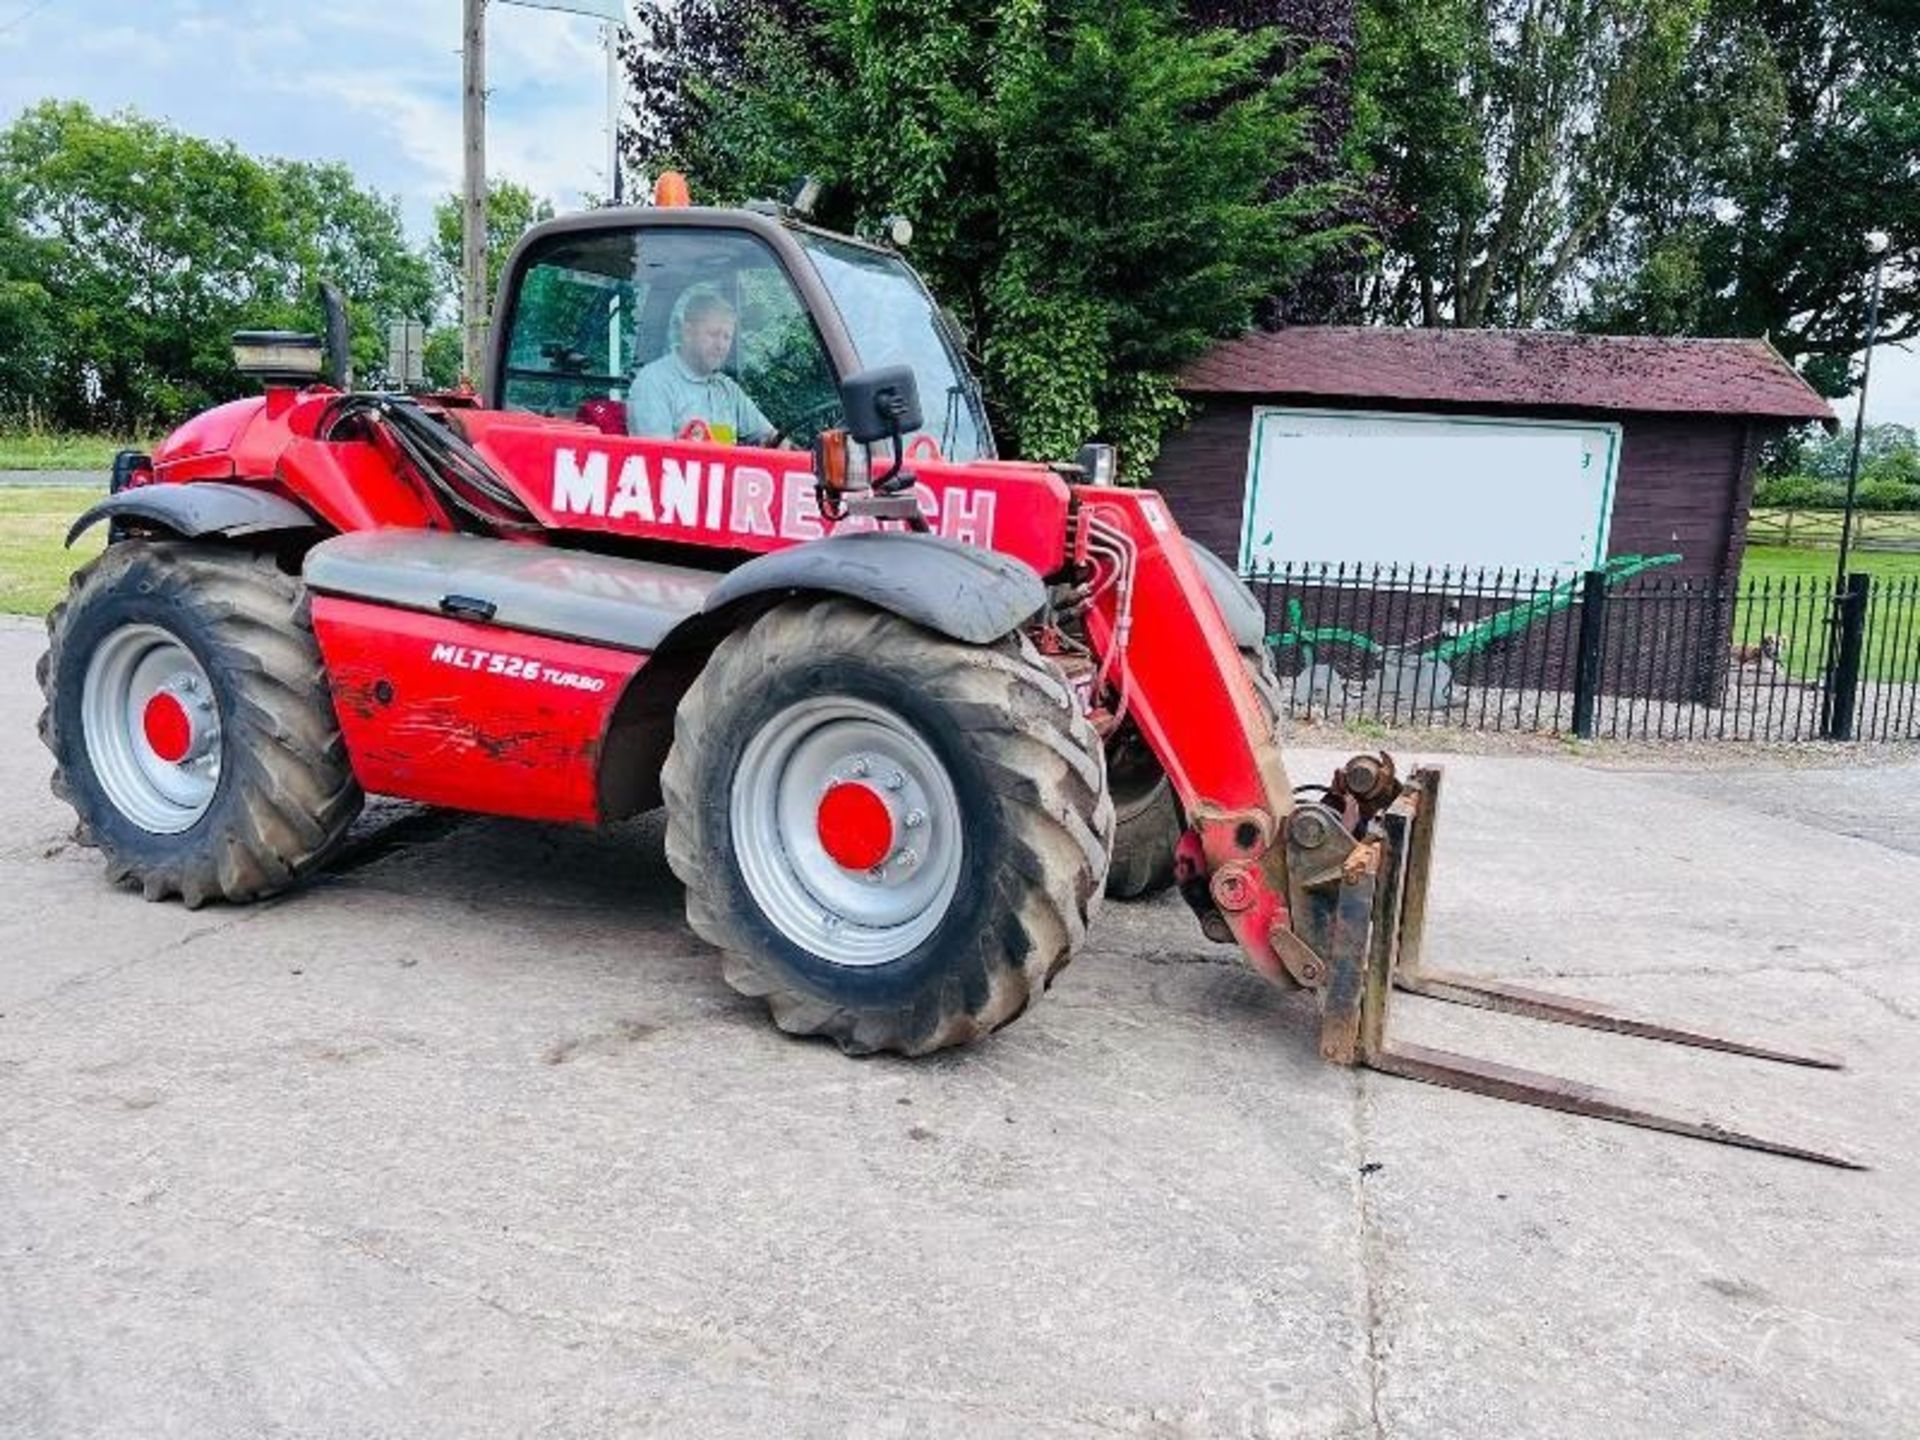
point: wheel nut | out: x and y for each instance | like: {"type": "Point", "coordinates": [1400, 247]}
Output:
{"type": "Point", "coordinates": [896, 780]}
{"type": "Point", "coordinates": [877, 873]}
{"type": "Point", "coordinates": [861, 767]}
{"type": "Point", "coordinates": [909, 858]}
{"type": "Point", "coordinates": [915, 819]}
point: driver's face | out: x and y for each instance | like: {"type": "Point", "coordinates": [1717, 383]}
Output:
{"type": "Point", "coordinates": [704, 343]}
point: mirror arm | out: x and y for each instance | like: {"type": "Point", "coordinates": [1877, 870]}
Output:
{"type": "Point", "coordinates": [892, 480]}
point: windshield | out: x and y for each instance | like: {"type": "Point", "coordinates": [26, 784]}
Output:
{"type": "Point", "coordinates": [892, 321]}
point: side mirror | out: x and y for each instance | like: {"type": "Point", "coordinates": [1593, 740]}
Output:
{"type": "Point", "coordinates": [881, 404]}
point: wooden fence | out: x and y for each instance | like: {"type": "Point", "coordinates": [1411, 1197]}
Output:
{"type": "Point", "coordinates": [1820, 529]}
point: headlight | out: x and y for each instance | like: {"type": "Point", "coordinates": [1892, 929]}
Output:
{"type": "Point", "coordinates": [278, 357]}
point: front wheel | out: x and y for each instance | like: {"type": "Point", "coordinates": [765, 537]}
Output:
{"type": "Point", "coordinates": [897, 839]}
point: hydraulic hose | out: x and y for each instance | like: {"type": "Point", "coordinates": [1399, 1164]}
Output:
{"type": "Point", "coordinates": [457, 473]}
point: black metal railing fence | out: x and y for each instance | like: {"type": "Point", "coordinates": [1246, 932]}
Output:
{"type": "Point", "coordinates": [1615, 653]}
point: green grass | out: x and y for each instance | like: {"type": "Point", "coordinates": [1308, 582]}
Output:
{"type": "Point", "coordinates": [1778, 562]}
{"type": "Point", "coordinates": [33, 566]}
{"type": "Point", "coordinates": [1892, 626]}
{"type": "Point", "coordinates": [35, 449]}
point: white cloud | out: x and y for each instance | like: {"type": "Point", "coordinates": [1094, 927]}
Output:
{"type": "Point", "coordinates": [375, 85]}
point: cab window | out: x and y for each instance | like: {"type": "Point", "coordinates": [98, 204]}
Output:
{"type": "Point", "coordinates": [573, 324]}
{"type": "Point", "coordinates": [671, 324]}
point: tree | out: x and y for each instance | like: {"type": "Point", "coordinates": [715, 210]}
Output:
{"type": "Point", "coordinates": [26, 327]}
{"type": "Point", "coordinates": [1507, 133]}
{"type": "Point", "coordinates": [1795, 131]}
{"type": "Point", "coordinates": [1695, 167]}
{"type": "Point", "coordinates": [132, 252]}
{"type": "Point", "coordinates": [154, 246]}
{"type": "Point", "coordinates": [512, 210]}
{"type": "Point", "coordinates": [353, 237]}
{"type": "Point", "coordinates": [1330, 290]}
{"type": "Point", "coordinates": [1089, 182]}
{"type": "Point", "coordinates": [694, 51]}
{"type": "Point", "coordinates": [1887, 452]}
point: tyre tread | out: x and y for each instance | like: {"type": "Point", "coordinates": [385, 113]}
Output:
{"type": "Point", "coordinates": [1044, 766]}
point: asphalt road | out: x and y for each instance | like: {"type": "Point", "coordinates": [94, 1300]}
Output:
{"type": "Point", "coordinates": [61, 479]}
{"type": "Point", "coordinates": [468, 1138]}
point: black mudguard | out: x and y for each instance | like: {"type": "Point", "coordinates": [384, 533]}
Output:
{"type": "Point", "coordinates": [958, 590]}
{"type": "Point", "coordinates": [199, 509]}
{"type": "Point", "coordinates": [1237, 603]}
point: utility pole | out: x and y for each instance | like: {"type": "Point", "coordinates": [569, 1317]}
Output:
{"type": "Point", "coordinates": [473, 205]}
{"type": "Point", "coordinates": [1842, 667]}
{"type": "Point", "coordinates": [1877, 242]}
{"type": "Point", "coordinates": [616, 89]}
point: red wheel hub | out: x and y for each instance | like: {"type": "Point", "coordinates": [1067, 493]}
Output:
{"type": "Point", "coordinates": [168, 727]}
{"type": "Point", "coordinates": [856, 827]}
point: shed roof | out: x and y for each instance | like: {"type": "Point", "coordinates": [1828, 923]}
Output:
{"type": "Point", "coordinates": [1511, 368]}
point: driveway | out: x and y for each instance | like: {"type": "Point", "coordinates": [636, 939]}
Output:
{"type": "Point", "coordinates": [468, 1138]}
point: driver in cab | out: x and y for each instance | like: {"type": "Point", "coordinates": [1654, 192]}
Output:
{"type": "Point", "coordinates": [687, 383]}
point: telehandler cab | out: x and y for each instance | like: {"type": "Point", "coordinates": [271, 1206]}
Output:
{"type": "Point", "coordinates": [909, 707]}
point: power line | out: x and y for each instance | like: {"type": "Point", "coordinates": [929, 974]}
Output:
{"type": "Point", "coordinates": [24, 16]}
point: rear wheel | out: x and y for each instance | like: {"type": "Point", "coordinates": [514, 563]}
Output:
{"type": "Point", "coordinates": [896, 839]}
{"type": "Point", "coordinates": [191, 727]}
{"type": "Point", "coordinates": [1149, 818]}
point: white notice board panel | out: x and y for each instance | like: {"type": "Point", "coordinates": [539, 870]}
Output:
{"type": "Point", "coordinates": [1358, 487]}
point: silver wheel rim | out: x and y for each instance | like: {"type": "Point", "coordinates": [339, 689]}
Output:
{"type": "Point", "coordinates": [848, 916]}
{"type": "Point", "coordinates": [126, 671]}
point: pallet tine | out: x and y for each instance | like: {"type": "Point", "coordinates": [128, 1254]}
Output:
{"type": "Point", "coordinates": [1530, 1087]}
{"type": "Point", "coordinates": [1394, 888]}
{"type": "Point", "coordinates": [1568, 1010]}
{"type": "Point", "coordinates": [1523, 1000]}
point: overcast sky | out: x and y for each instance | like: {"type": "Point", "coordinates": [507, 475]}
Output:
{"type": "Point", "coordinates": [376, 84]}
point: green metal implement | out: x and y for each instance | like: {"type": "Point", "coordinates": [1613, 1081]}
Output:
{"type": "Point", "coordinates": [1417, 675]}
{"type": "Point", "coordinates": [1476, 638]}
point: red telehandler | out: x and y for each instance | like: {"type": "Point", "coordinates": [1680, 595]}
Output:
{"type": "Point", "coordinates": [888, 687]}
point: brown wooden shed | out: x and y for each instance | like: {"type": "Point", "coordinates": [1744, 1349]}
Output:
{"type": "Point", "coordinates": [1689, 416]}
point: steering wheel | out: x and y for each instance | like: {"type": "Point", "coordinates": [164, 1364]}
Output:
{"type": "Point", "coordinates": [811, 421]}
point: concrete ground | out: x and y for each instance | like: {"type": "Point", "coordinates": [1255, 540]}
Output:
{"type": "Point", "coordinates": [468, 1138]}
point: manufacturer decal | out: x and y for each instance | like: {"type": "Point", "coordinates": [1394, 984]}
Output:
{"type": "Point", "coordinates": [716, 497]}
{"type": "Point", "coordinates": [514, 667]}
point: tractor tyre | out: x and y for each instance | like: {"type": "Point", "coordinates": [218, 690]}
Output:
{"type": "Point", "coordinates": [191, 724]}
{"type": "Point", "coordinates": [897, 840]}
{"type": "Point", "coordinates": [1148, 817]}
